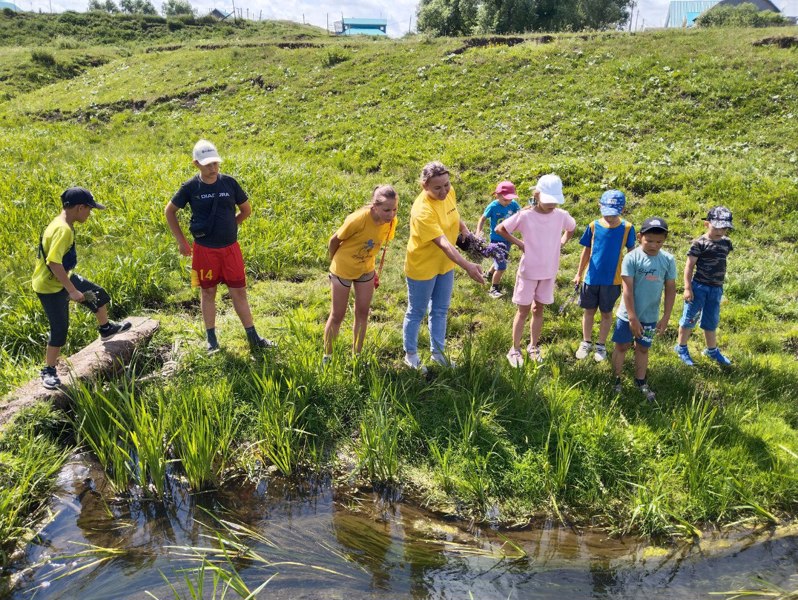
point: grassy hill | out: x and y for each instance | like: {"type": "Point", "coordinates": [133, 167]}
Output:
{"type": "Point", "coordinates": [680, 121]}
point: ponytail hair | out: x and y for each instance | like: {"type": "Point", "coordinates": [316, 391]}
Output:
{"type": "Point", "coordinates": [381, 194]}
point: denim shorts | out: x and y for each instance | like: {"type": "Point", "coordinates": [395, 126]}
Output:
{"type": "Point", "coordinates": [623, 333]}
{"type": "Point", "coordinates": [705, 307]}
{"type": "Point", "coordinates": [602, 297]}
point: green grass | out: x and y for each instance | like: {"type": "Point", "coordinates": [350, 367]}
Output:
{"type": "Point", "coordinates": [678, 120]}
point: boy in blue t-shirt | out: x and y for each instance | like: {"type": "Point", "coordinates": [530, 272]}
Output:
{"type": "Point", "coordinates": [645, 272]}
{"type": "Point", "coordinates": [503, 207]}
{"type": "Point", "coordinates": [704, 275]}
{"type": "Point", "coordinates": [603, 240]}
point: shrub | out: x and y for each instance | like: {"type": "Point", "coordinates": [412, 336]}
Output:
{"type": "Point", "coordinates": [65, 42]}
{"type": "Point", "coordinates": [333, 56]}
{"type": "Point", "coordinates": [43, 57]}
{"type": "Point", "coordinates": [744, 15]}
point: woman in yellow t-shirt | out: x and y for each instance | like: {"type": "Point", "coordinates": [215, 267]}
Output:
{"type": "Point", "coordinates": [429, 264]}
{"type": "Point", "coordinates": [353, 252]}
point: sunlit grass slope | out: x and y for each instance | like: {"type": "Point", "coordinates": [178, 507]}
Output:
{"type": "Point", "coordinates": [680, 121]}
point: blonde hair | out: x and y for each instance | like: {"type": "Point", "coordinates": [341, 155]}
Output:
{"type": "Point", "coordinates": [381, 194]}
{"type": "Point", "coordinates": [432, 169]}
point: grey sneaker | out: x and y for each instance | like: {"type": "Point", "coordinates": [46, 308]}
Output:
{"type": "Point", "coordinates": [535, 355]}
{"type": "Point", "coordinates": [647, 392]}
{"type": "Point", "coordinates": [50, 379]}
{"type": "Point", "coordinates": [261, 343]}
{"type": "Point", "coordinates": [515, 358]}
{"type": "Point", "coordinates": [326, 360]}
{"type": "Point", "coordinates": [110, 329]}
{"type": "Point", "coordinates": [617, 389]}
{"type": "Point", "coordinates": [211, 348]}
{"type": "Point", "coordinates": [442, 360]}
{"type": "Point", "coordinates": [583, 350]}
{"type": "Point", "coordinates": [414, 362]}
{"type": "Point", "coordinates": [601, 353]}
{"type": "Point", "coordinates": [495, 293]}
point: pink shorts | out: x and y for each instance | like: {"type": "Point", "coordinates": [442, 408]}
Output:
{"type": "Point", "coordinates": [527, 290]}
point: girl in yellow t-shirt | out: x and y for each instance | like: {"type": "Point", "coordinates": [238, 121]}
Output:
{"type": "Point", "coordinates": [429, 264]}
{"type": "Point", "coordinates": [353, 253]}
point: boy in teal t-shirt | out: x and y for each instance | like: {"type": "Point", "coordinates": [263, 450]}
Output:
{"type": "Point", "coordinates": [502, 208]}
{"type": "Point", "coordinates": [645, 273]}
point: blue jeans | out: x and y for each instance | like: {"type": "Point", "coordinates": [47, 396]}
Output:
{"type": "Point", "coordinates": [433, 295]}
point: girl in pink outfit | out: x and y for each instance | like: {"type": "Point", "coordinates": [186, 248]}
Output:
{"type": "Point", "coordinates": [544, 229]}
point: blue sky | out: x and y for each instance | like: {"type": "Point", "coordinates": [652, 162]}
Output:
{"type": "Point", "coordinates": [400, 13]}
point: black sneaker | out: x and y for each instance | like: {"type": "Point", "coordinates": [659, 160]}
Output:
{"type": "Point", "coordinates": [110, 329]}
{"type": "Point", "coordinates": [50, 380]}
{"type": "Point", "coordinates": [261, 343]}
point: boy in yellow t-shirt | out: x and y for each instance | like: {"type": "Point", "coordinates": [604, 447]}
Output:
{"type": "Point", "coordinates": [353, 253]}
{"type": "Point", "coordinates": [55, 287]}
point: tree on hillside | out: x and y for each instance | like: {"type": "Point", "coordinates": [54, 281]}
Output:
{"type": "Point", "coordinates": [465, 17]}
{"type": "Point", "coordinates": [143, 7]}
{"type": "Point", "coordinates": [743, 15]}
{"type": "Point", "coordinates": [175, 8]}
{"type": "Point", "coordinates": [103, 6]}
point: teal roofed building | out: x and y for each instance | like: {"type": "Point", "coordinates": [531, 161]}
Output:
{"type": "Point", "coordinates": [362, 27]}
{"type": "Point", "coordinates": [683, 13]}
{"type": "Point", "coordinates": [10, 6]}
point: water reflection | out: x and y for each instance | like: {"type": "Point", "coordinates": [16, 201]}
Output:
{"type": "Point", "coordinates": [322, 542]}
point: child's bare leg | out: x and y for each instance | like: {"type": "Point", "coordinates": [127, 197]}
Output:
{"type": "Point", "coordinates": [712, 338]}
{"type": "Point", "coordinates": [588, 317]}
{"type": "Point", "coordinates": [536, 324]}
{"type": "Point", "coordinates": [102, 315]}
{"type": "Point", "coordinates": [363, 294]}
{"type": "Point", "coordinates": [604, 327]}
{"type": "Point", "coordinates": [208, 306]}
{"type": "Point", "coordinates": [339, 300]}
{"type": "Point", "coordinates": [497, 277]}
{"type": "Point", "coordinates": [518, 324]}
{"type": "Point", "coordinates": [641, 361]}
{"type": "Point", "coordinates": [51, 355]}
{"type": "Point", "coordinates": [240, 304]}
{"type": "Point", "coordinates": [684, 335]}
{"type": "Point", "coordinates": [618, 356]}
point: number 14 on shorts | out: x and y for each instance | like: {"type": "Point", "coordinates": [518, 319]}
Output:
{"type": "Point", "coordinates": [201, 275]}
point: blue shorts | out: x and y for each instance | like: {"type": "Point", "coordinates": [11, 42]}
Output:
{"type": "Point", "coordinates": [705, 307]}
{"type": "Point", "coordinates": [501, 266]}
{"type": "Point", "coordinates": [623, 333]}
{"type": "Point", "coordinates": [602, 297]}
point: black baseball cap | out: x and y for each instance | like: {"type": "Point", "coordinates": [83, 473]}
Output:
{"type": "Point", "coordinates": [654, 223]}
{"type": "Point", "coordinates": [79, 195]}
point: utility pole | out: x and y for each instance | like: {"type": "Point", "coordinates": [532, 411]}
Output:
{"type": "Point", "coordinates": [632, 14]}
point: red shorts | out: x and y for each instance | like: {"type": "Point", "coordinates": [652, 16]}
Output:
{"type": "Point", "coordinates": [212, 266]}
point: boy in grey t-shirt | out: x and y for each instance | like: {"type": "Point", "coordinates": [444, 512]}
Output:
{"type": "Point", "coordinates": [704, 275]}
{"type": "Point", "coordinates": [645, 273]}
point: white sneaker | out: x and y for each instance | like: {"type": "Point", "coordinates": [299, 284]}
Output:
{"type": "Point", "coordinates": [495, 293]}
{"type": "Point", "coordinates": [515, 358]}
{"type": "Point", "coordinates": [442, 360]}
{"type": "Point", "coordinates": [535, 354]}
{"type": "Point", "coordinates": [600, 353]}
{"type": "Point", "coordinates": [414, 362]}
{"type": "Point", "coordinates": [583, 350]}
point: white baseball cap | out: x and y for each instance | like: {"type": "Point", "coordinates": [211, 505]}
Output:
{"type": "Point", "coordinates": [550, 189]}
{"type": "Point", "coordinates": [206, 153]}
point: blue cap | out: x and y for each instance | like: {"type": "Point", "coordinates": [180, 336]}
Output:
{"type": "Point", "coordinates": [612, 203]}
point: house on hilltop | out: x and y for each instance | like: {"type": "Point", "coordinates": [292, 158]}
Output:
{"type": "Point", "coordinates": [376, 27]}
{"type": "Point", "coordinates": [683, 13]}
{"type": "Point", "coordinates": [219, 15]}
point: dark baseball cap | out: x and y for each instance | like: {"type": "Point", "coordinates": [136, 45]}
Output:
{"type": "Point", "coordinates": [653, 223]}
{"type": "Point", "coordinates": [79, 195]}
{"type": "Point", "coordinates": [720, 217]}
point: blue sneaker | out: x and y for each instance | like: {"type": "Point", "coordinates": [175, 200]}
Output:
{"type": "Point", "coordinates": [684, 354]}
{"type": "Point", "coordinates": [716, 355]}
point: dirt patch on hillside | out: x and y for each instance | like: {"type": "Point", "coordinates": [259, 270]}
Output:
{"type": "Point", "coordinates": [103, 112]}
{"type": "Point", "coordinates": [782, 41]}
{"type": "Point", "coordinates": [485, 42]}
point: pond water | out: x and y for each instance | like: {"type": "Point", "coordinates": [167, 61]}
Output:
{"type": "Point", "coordinates": [322, 543]}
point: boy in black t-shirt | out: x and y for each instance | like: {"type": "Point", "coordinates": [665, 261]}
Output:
{"type": "Point", "coordinates": [218, 207]}
{"type": "Point", "coordinates": [704, 275]}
